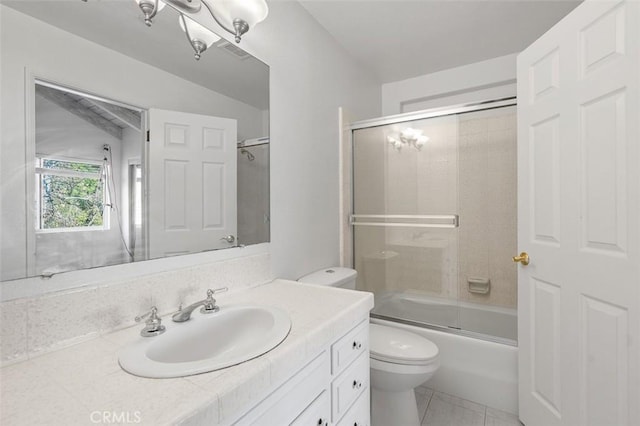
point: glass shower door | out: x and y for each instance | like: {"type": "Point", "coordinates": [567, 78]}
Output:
{"type": "Point", "coordinates": [405, 178]}
{"type": "Point", "coordinates": [434, 215]}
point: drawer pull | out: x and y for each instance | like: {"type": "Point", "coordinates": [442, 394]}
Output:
{"type": "Point", "coordinates": [321, 422]}
{"type": "Point", "coordinates": [356, 345]}
{"type": "Point", "coordinates": [357, 384]}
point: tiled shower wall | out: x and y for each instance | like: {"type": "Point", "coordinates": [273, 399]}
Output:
{"type": "Point", "coordinates": [488, 205]}
{"type": "Point", "coordinates": [468, 168]}
{"type": "Point", "coordinates": [32, 326]}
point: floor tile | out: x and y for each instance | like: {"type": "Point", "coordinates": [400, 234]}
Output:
{"type": "Point", "coordinates": [423, 396]}
{"type": "Point", "coordinates": [500, 418]}
{"type": "Point", "coordinates": [443, 411]}
{"type": "Point", "coordinates": [457, 401]}
{"type": "Point", "coordinates": [501, 414]}
{"type": "Point", "coordinates": [495, 421]}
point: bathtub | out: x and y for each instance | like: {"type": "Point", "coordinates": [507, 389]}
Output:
{"type": "Point", "coordinates": [473, 319]}
{"type": "Point", "coordinates": [478, 362]}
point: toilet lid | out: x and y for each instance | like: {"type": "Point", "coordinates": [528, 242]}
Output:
{"type": "Point", "coordinates": [399, 346]}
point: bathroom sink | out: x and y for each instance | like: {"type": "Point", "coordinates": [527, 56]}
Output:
{"type": "Point", "coordinates": [206, 343]}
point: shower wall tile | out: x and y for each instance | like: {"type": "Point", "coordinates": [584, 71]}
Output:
{"type": "Point", "coordinates": [402, 181]}
{"type": "Point", "coordinates": [488, 208]}
{"type": "Point", "coordinates": [473, 232]}
{"type": "Point", "coordinates": [371, 148]}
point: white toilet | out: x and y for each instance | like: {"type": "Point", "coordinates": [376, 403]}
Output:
{"type": "Point", "coordinates": [399, 360]}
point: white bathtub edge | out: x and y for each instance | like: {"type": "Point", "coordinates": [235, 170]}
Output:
{"type": "Point", "coordinates": [476, 370]}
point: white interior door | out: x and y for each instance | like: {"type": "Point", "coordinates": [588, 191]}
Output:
{"type": "Point", "coordinates": [578, 218]}
{"type": "Point", "coordinates": [191, 182]}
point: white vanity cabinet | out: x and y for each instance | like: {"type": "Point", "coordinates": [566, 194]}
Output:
{"type": "Point", "coordinates": [332, 389]}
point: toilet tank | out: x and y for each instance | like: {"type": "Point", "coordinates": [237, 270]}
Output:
{"type": "Point", "coordinates": [334, 277]}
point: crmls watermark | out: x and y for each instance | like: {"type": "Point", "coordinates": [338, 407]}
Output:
{"type": "Point", "coordinates": [115, 417]}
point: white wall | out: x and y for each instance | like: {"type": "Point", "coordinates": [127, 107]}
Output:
{"type": "Point", "coordinates": [311, 77]}
{"type": "Point", "coordinates": [491, 79]}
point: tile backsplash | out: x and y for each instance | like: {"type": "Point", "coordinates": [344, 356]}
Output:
{"type": "Point", "coordinates": [32, 326]}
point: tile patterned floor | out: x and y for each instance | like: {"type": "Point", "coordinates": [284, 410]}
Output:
{"type": "Point", "coordinates": [440, 409]}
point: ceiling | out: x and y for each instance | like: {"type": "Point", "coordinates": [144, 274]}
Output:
{"type": "Point", "coordinates": [395, 39]}
{"type": "Point", "coordinates": [400, 39]}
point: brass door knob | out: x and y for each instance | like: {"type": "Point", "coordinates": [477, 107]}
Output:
{"type": "Point", "coordinates": [523, 258]}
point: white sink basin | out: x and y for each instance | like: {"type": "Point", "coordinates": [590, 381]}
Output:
{"type": "Point", "coordinates": [206, 343]}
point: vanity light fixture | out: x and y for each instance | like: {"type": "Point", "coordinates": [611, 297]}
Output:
{"type": "Point", "coordinates": [150, 8]}
{"type": "Point", "coordinates": [234, 16]}
{"type": "Point", "coordinates": [408, 137]}
{"type": "Point", "coordinates": [199, 37]}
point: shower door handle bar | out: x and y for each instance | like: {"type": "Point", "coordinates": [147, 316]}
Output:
{"type": "Point", "coordinates": [406, 225]}
{"type": "Point", "coordinates": [426, 221]}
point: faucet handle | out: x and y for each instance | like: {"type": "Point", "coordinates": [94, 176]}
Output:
{"type": "Point", "coordinates": [210, 306]}
{"type": "Point", "coordinates": [153, 312]}
{"type": "Point", "coordinates": [153, 325]}
{"type": "Point", "coordinates": [210, 292]}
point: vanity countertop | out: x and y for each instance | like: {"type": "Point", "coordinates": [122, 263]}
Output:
{"type": "Point", "coordinates": [83, 384]}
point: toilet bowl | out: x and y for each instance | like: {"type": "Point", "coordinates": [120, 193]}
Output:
{"type": "Point", "coordinates": [399, 360]}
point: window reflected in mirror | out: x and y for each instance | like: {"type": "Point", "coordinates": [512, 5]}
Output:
{"type": "Point", "coordinates": [86, 199]}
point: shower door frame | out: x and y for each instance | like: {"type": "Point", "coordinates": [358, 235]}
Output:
{"type": "Point", "coordinates": [408, 117]}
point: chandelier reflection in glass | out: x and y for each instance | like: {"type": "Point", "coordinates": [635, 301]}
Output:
{"type": "Point", "coordinates": [408, 137]}
{"type": "Point", "coordinates": [234, 16]}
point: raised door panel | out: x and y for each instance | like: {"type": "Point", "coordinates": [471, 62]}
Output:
{"type": "Point", "coordinates": [603, 184]}
{"type": "Point", "coordinates": [544, 166]}
{"type": "Point", "coordinates": [545, 346]}
{"type": "Point", "coordinates": [604, 363]}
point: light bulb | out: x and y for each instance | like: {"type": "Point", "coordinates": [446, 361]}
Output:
{"type": "Point", "coordinates": [409, 134]}
{"type": "Point", "coordinates": [200, 37]}
{"type": "Point", "coordinates": [394, 142]}
{"type": "Point", "coordinates": [250, 11]}
{"type": "Point", "coordinates": [420, 141]}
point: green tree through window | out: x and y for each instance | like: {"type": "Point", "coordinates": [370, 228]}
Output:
{"type": "Point", "coordinates": [71, 194]}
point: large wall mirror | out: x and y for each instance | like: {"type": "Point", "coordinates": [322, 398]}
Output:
{"type": "Point", "coordinates": [118, 145]}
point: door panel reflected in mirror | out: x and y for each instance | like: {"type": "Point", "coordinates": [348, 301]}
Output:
{"type": "Point", "coordinates": [81, 186]}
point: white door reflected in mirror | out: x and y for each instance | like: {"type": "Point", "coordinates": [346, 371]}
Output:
{"type": "Point", "coordinates": [192, 182]}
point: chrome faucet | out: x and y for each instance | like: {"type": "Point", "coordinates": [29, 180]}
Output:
{"type": "Point", "coordinates": [208, 306]}
{"type": "Point", "coordinates": [153, 324]}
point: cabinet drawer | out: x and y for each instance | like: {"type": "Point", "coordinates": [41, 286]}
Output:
{"type": "Point", "coordinates": [359, 413]}
{"type": "Point", "coordinates": [350, 347]}
{"type": "Point", "coordinates": [349, 385]}
{"type": "Point", "coordinates": [289, 401]}
{"type": "Point", "coordinates": [318, 413]}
